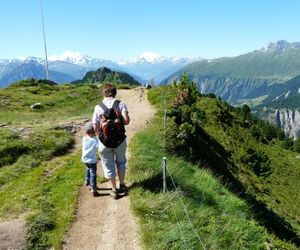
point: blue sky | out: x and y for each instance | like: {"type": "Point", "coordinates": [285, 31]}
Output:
{"type": "Point", "coordinates": [122, 29]}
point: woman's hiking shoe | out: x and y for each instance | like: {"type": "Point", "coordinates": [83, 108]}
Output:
{"type": "Point", "coordinates": [94, 192]}
{"type": "Point", "coordinates": [114, 194]}
{"type": "Point", "coordinates": [123, 189]}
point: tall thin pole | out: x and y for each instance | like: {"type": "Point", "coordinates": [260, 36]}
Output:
{"type": "Point", "coordinates": [45, 46]}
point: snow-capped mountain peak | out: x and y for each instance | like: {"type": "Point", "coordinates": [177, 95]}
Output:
{"type": "Point", "coordinates": [146, 57]}
{"type": "Point", "coordinates": [154, 58]}
{"type": "Point", "coordinates": [71, 57]}
{"type": "Point", "coordinates": [150, 57]}
{"type": "Point", "coordinates": [28, 59]}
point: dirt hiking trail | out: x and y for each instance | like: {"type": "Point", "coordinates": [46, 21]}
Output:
{"type": "Point", "coordinates": [101, 222]}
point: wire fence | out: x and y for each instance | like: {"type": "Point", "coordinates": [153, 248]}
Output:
{"type": "Point", "coordinates": [177, 219]}
{"type": "Point", "coordinates": [167, 174]}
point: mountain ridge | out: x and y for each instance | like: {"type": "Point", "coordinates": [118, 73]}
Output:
{"type": "Point", "coordinates": [233, 78]}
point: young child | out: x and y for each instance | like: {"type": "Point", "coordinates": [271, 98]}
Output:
{"type": "Point", "coordinates": [90, 145]}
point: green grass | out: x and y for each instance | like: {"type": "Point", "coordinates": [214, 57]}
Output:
{"type": "Point", "coordinates": [61, 192]}
{"type": "Point", "coordinates": [56, 207]}
{"type": "Point", "coordinates": [59, 102]}
{"type": "Point", "coordinates": [276, 190]}
{"type": "Point", "coordinates": [222, 220]}
{"type": "Point", "coordinates": [38, 179]}
{"type": "Point", "coordinates": [11, 147]}
{"type": "Point", "coordinates": [38, 188]}
{"type": "Point", "coordinates": [223, 145]}
{"type": "Point", "coordinates": [47, 199]}
{"type": "Point", "coordinates": [220, 146]}
{"type": "Point", "coordinates": [19, 155]}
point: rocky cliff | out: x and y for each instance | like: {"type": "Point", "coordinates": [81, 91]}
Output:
{"type": "Point", "coordinates": [287, 119]}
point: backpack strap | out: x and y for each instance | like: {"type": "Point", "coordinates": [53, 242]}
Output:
{"type": "Point", "coordinates": [118, 114]}
{"type": "Point", "coordinates": [106, 110]}
{"type": "Point", "coordinates": [103, 106]}
{"type": "Point", "coordinates": [116, 104]}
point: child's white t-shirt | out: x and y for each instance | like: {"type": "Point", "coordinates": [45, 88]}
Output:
{"type": "Point", "coordinates": [89, 149]}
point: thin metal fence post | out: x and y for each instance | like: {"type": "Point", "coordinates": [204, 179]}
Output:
{"type": "Point", "coordinates": [164, 158]}
{"type": "Point", "coordinates": [164, 174]}
{"type": "Point", "coordinates": [165, 128]}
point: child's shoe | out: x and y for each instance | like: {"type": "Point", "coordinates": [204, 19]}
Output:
{"type": "Point", "coordinates": [114, 194]}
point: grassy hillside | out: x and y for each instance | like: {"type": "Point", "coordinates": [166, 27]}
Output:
{"type": "Point", "coordinates": [214, 137]}
{"type": "Point", "coordinates": [57, 102]}
{"type": "Point", "coordinates": [34, 182]}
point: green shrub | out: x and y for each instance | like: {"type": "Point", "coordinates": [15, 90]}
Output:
{"type": "Point", "coordinates": [288, 143]}
{"type": "Point", "coordinates": [246, 111]}
{"type": "Point", "coordinates": [10, 153]}
{"type": "Point", "coordinates": [269, 132]}
{"type": "Point", "coordinates": [297, 145]}
{"type": "Point", "coordinates": [255, 132]}
{"type": "Point", "coordinates": [211, 95]}
{"type": "Point", "coordinates": [256, 160]}
{"type": "Point", "coordinates": [223, 116]}
{"type": "Point", "coordinates": [11, 147]}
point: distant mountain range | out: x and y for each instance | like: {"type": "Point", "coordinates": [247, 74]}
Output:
{"type": "Point", "coordinates": [71, 66]}
{"type": "Point", "coordinates": [153, 67]}
{"type": "Point", "coordinates": [245, 77]}
{"type": "Point", "coordinates": [30, 68]}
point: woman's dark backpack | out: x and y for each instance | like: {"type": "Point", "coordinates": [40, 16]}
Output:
{"type": "Point", "coordinates": [112, 129]}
